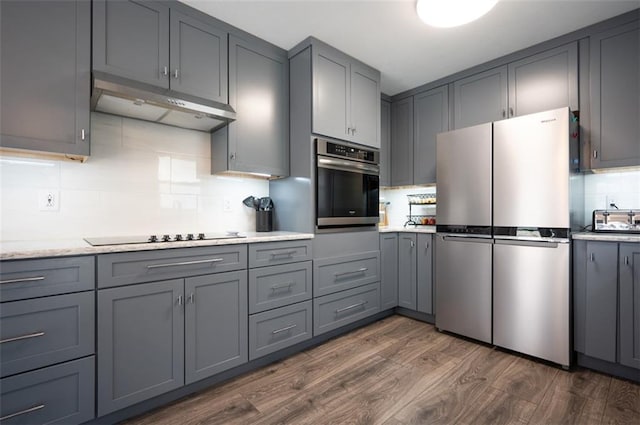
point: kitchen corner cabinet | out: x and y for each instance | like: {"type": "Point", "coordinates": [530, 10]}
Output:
{"type": "Point", "coordinates": [615, 104]}
{"type": "Point", "coordinates": [407, 279]}
{"type": "Point", "coordinates": [346, 97]}
{"type": "Point", "coordinates": [45, 76]}
{"type": "Point", "coordinates": [430, 117]}
{"type": "Point", "coordinates": [385, 143]}
{"type": "Point", "coordinates": [171, 50]}
{"type": "Point", "coordinates": [258, 141]}
{"type": "Point", "coordinates": [402, 142]}
{"type": "Point", "coordinates": [629, 264]}
{"type": "Point", "coordinates": [388, 270]}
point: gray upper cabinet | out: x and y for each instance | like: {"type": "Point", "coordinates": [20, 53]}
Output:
{"type": "Point", "coordinates": [346, 97]}
{"type": "Point", "coordinates": [258, 141]}
{"type": "Point", "coordinates": [629, 264]}
{"type": "Point", "coordinates": [615, 104]}
{"type": "Point", "coordinates": [45, 77]}
{"type": "Point", "coordinates": [480, 98]}
{"type": "Point", "coordinates": [171, 50]}
{"type": "Point", "coordinates": [407, 270]}
{"type": "Point", "coordinates": [548, 80]}
{"type": "Point", "coordinates": [385, 143]}
{"type": "Point", "coordinates": [430, 117]}
{"type": "Point", "coordinates": [424, 273]}
{"type": "Point", "coordinates": [388, 270]}
{"type": "Point", "coordinates": [402, 142]}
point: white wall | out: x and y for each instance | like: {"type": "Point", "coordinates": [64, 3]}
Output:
{"type": "Point", "coordinates": [398, 208]}
{"type": "Point", "coordinates": [141, 178]}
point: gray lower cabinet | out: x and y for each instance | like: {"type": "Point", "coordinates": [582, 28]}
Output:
{"type": "Point", "coordinates": [407, 279]}
{"type": "Point", "coordinates": [402, 142]}
{"type": "Point", "coordinates": [339, 273]}
{"type": "Point", "coordinates": [341, 308]}
{"type": "Point", "coordinates": [277, 286]}
{"type": "Point", "coordinates": [276, 329]}
{"type": "Point", "coordinates": [258, 141]}
{"type": "Point", "coordinates": [60, 394]}
{"type": "Point", "coordinates": [388, 270]}
{"type": "Point", "coordinates": [275, 253]}
{"type": "Point", "coordinates": [480, 98]}
{"type": "Point", "coordinates": [424, 273]}
{"type": "Point", "coordinates": [385, 143]}
{"type": "Point", "coordinates": [615, 104]}
{"type": "Point", "coordinates": [45, 86]}
{"type": "Point", "coordinates": [629, 302]}
{"type": "Point", "coordinates": [430, 117]}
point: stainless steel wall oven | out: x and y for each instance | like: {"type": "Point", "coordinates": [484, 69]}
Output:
{"type": "Point", "coordinates": [347, 185]}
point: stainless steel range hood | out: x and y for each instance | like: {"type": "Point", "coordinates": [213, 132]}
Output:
{"type": "Point", "coordinates": [121, 96]}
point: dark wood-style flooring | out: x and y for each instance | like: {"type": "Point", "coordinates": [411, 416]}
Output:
{"type": "Point", "coordinates": [401, 371]}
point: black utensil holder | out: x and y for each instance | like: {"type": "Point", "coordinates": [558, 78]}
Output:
{"type": "Point", "coordinates": [264, 221]}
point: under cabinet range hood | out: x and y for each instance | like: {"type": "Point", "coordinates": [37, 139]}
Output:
{"type": "Point", "coordinates": [121, 96]}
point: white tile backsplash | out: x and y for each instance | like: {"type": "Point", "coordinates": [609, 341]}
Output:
{"type": "Point", "coordinates": [398, 207]}
{"type": "Point", "coordinates": [141, 178]}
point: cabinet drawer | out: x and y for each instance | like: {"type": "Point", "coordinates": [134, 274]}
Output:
{"type": "Point", "coordinates": [277, 286]}
{"type": "Point", "coordinates": [336, 310]}
{"type": "Point", "coordinates": [44, 331]}
{"type": "Point", "coordinates": [273, 253]}
{"type": "Point", "coordinates": [134, 267]}
{"type": "Point", "coordinates": [276, 329]}
{"type": "Point", "coordinates": [61, 394]}
{"type": "Point", "coordinates": [24, 279]}
{"type": "Point", "coordinates": [337, 274]}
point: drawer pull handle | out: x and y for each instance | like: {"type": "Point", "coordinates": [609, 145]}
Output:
{"type": "Point", "coordinates": [22, 279]}
{"type": "Point", "coordinates": [185, 263]}
{"type": "Point", "coordinates": [282, 286]}
{"type": "Point", "coordinates": [351, 307]}
{"type": "Point", "coordinates": [282, 254]}
{"type": "Point", "coordinates": [286, 328]}
{"type": "Point", "coordinates": [361, 270]}
{"type": "Point", "coordinates": [20, 338]}
{"type": "Point", "coordinates": [626, 260]}
{"type": "Point", "coordinates": [22, 412]}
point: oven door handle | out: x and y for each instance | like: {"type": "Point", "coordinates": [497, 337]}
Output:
{"type": "Point", "coordinates": [349, 166]}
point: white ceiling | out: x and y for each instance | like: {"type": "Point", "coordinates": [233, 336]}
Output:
{"type": "Point", "coordinates": [388, 35]}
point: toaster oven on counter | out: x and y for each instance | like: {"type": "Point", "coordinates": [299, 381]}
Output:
{"type": "Point", "coordinates": [618, 221]}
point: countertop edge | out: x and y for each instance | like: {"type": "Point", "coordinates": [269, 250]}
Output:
{"type": "Point", "coordinates": [611, 237]}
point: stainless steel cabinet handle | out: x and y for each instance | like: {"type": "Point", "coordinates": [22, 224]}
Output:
{"type": "Point", "coordinates": [286, 328]}
{"type": "Point", "coordinates": [591, 257]}
{"type": "Point", "coordinates": [22, 412]}
{"type": "Point", "coordinates": [504, 114]}
{"type": "Point", "coordinates": [351, 307]}
{"type": "Point", "coordinates": [175, 73]}
{"type": "Point", "coordinates": [511, 111]}
{"type": "Point", "coordinates": [426, 245]}
{"type": "Point", "coordinates": [282, 286]}
{"type": "Point", "coordinates": [595, 154]}
{"type": "Point", "coordinates": [412, 244]}
{"type": "Point", "coordinates": [21, 337]}
{"type": "Point", "coordinates": [192, 298]}
{"type": "Point", "coordinates": [185, 263]}
{"type": "Point", "coordinates": [22, 279]}
{"type": "Point", "coordinates": [82, 135]}
{"type": "Point", "coordinates": [353, 131]}
{"type": "Point", "coordinates": [626, 260]}
{"type": "Point", "coordinates": [361, 270]}
{"type": "Point", "coordinates": [282, 254]}
{"type": "Point", "coordinates": [179, 300]}
{"type": "Point", "coordinates": [165, 71]}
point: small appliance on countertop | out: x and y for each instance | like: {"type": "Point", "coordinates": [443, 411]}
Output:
{"type": "Point", "coordinates": [617, 221]}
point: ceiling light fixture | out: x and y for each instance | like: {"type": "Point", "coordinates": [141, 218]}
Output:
{"type": "Point", "coordinates": [451, 13]}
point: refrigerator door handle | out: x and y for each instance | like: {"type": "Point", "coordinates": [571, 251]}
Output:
{"type": "Point", "coordinates": [539, 244]}
{"type": "Point", "coordinates": [471, 239]}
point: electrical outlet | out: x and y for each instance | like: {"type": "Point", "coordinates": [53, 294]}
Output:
{"type": "Point", "coordinates": [226, 205]}
{"type": "Point", "coordinates": [48, 200]}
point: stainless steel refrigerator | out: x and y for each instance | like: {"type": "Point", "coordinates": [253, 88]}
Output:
{"type": "Point", "coordinates": [523, 268]}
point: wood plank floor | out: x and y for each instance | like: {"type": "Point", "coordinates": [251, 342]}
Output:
{"type": "Point", "coordinates": [400, 371]}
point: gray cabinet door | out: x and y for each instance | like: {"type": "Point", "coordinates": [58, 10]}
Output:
{"type": "Point", "coordinates": [615, 104]}
{"type": "Point", "coordinates": [131, 39]}
{"type": "Point", "coordinates": [140, 343]}
{"type": "Point", "coordinates": [407, 255]}
{"type": "Point", "coordinates": [258, 141]}
{"type": "Point", "coordinates": [480, 98]}
{"type": "Point", "coordinates": [630, 305]}
{"type": "Point", "coordinates": [385, 143]}
{"type": "Point", "coordinates": [601, 300]}
{"type": "Point", "coordinates": [402, 142]}
{"type": "Point", "coordinates": [198, 58]}
{"type": "Point", "coordinates": [45, 76]}
{"type": "Point", "coordinates": [364, 106]}
{"type": "Point", "coordinates": [331, 93]}
{"type": "Point", "coordinates": [548, 80]}
{"type": "Point", "coordinates": [424, 273]}
{"type": "Point", "coordinates": [216, 335]}
{"type": "Point", "coordinates": [430, 117]}
{"type": "Point", "coordinates": [388, 270]}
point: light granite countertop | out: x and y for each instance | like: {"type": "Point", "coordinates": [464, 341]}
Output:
{"type": "Point", "coordinates": [408, 229]}
{"type": "Point", "coordinates": [612, 237]}
{"type": "Point", "coordinates": [18, 250]}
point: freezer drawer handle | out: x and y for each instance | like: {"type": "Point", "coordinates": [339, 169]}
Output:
{"type": "Point", "coordinates": [22, 412]}
{"type": "Point", "coordinates": [351, 307]}
{"type": "Point", "coordinates": [185, 263]}
{"type": "Point", "coordinates": [23, 279]}
{"type": "Point", "coordinates": [283, 286]}
{"type": "Point", "coordinates": [361, 270]}
{"type": "Point", "coordinates": [286, 328]}
{"type": "Point", "coordinates": [20, 338]}
{"type": "Point", "coordinates": [282, 254]}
